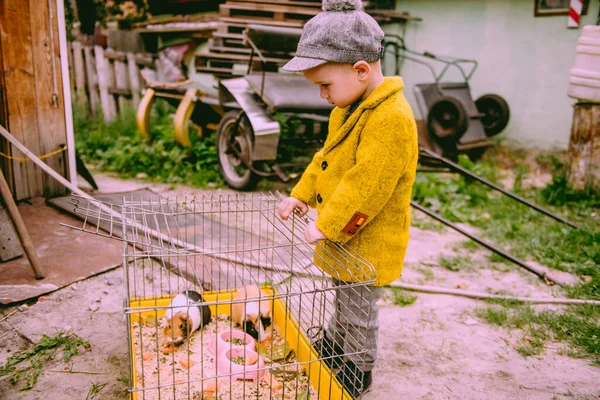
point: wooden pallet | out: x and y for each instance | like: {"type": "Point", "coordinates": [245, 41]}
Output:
{"type": "Point", "coordinates": [299, 3]}
{"type": "Point", "coordinates": [226, 47]}
{"type": "Point", "coordinates": [266, 14]}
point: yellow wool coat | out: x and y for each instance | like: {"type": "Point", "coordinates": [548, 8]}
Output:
{"type": "Point", "coordinates": [361, 181]}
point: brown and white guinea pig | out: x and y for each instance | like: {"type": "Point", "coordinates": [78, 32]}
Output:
{"type": "Point", "coordinates": [253, 316]}
{"type": "Point", "coordinates": [184, 316]}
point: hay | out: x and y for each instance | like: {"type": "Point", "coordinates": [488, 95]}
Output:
{"type": "Point", "coordinates": [189, 371]}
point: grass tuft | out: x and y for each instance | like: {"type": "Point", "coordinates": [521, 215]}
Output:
{"type": "Point", "coordinates": [400, 298]}
{"type": "Point", "coordinates": [118, 147]}
{"type": "Point", "coordinates": [45, 350]}
{"type": "Point", "coordinates": [576, 325]}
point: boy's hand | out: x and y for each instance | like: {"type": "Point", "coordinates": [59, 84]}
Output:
{"type": "Point", "coordinates": [287, 206]}
{"type": "Point", "coordinates": [312, 233]}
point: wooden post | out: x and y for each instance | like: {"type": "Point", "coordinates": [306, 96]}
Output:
{"type": "Point", "coordinates": [134, 79]}
{"type": "Point", "coordinates": [103, 73]}
{"type": "Point", "coordinates": [121, 82]}
{"type": "Point", "coordinates": [15, 216]}
{"type": "Point", "coordinates": [19, 70]}
{"type": "Point", "coordinates": [92, 79]}
{"type": "Point", "coordinates": [79, 72]}
{"type": "Point", "coordinates": [584, 148]}
{"type": "Point", "coordinates": [51, 133]}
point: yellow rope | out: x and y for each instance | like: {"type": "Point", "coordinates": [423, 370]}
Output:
{"type": "Point", "coordinates": [29, 159]}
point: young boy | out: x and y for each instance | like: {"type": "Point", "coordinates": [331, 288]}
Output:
{"type": "Point", "coordinates": [360, 182]}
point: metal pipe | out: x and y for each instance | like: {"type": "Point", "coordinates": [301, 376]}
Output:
{"type": "Point", "coordinates": [66, 91]}
{"type": "Point", "coordinates": [464, 171]}
{"type": "Point", "coordinates": [434, 215]}
{"type": "Point", "coordinates": [28, 247]}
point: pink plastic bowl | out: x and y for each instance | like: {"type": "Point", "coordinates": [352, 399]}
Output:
{"type": "Point", "coordinates": [220, 343]}
{"type": "Point", "coordinates": [252, 372]}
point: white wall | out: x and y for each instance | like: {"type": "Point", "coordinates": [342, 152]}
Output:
{"type": "Point", "coordinates": [523, 58]}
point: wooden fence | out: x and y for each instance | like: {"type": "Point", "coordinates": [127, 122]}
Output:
{"type": "Point", "coordinates": [105, 80]}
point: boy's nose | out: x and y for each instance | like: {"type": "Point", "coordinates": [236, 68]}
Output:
{"type": "Point", "coordinates": [324, 94]}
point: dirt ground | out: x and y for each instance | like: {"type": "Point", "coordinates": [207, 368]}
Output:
{"type": "Point", "coordinates": [435, 348]}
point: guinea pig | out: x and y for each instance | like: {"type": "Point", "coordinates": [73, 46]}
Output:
{"type": "Point", "coordinates": [253, 316]}
{"type": "Point", "coordinates": [184, 316]}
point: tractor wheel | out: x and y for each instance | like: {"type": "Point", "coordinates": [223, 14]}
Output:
{"type": "Point", "coordinates": [447, 121]}
{"type": "Point", "coordinates": [496, 113]}
{"type": "Point", "coordinates": [234, 151]}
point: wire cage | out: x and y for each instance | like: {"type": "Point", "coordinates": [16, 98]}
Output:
{"type": "Point", "coordinates": [225, 300]}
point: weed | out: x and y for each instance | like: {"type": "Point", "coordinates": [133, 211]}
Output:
{"type": "Point", "coordinates": [494, 316]}
{"type": "Point", "coordinates": [45, 350]}
{"type": "Point", "coordinates": [400, 298]}
{"type": "Point", "coordinates": [118, 147]}
{"type": "Point", "coordinates": [530, 347]}
{"type": "Point", "coordinates": [95, 390]}
{"type": "Point", "coordinates": [510, 303]}
{"type": "Point", "coordinates": [125, 381]}
{"type": "Point", "coordinates": [549, 161]}
{"type": "Point", "coordinates": [455, 263]}
{"type": "Point", "coordinates": [520, 230]}
{"type": "Point", "coordinates": [426, 272]}
{"type": "Point", "coordinates": [470, 245]}
{"type": "Point", "coordinates": [497, 258]}
{"type": "Point", "coordinates": [577, 326]}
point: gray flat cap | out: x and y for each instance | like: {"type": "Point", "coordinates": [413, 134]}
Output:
{"type": "Point", "coordinates": [342, 33]}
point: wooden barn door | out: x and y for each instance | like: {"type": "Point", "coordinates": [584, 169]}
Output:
{"type": "Point", "coordinates": [31, 83]}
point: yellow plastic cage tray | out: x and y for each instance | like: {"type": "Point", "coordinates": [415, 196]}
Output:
{"type": "Point", "coordinates": [319, 375]}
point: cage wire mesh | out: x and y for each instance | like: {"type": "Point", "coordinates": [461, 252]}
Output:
{"type": "Point", "coordinates": [253, 272]}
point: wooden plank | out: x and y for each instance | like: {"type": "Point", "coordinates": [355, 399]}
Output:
{"type": "Point", "coordinates": [103, 74]}
{"type": "Point", "coordinates": [5, 164]}
{"type": "Point", "coordinates": [146, 59]}
{"type": "Point", "coordinates": [306, 3]}
{"type": "Point", "coordinates": [240, 57]}
{"type": "Point", "coordinates": [21, 94]}
{"type": "Point", "coordinates": [121, 77]}
{"type": "Point", "coordinates": [111, 83]}
{"type": "Point", "coordinates": [134, 79]}
{"type": "Point", "coordinates": [273, 8]}
{"type": "Point", "coordinates": [91, 78]}
{"type": "Point", "coordinates": [79, 72]}
{"type": "Point", "coordinates": [262, 21]}
{"type": "Point", "coordinates": [71, 67]}
{"type": "Point", "coordinates": [584, 148]}
{"type": "Point", "coordinates": [10, 247]}
{"type": "Point", "coordinates": [52, 131]}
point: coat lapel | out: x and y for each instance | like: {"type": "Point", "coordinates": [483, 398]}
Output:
{"type": "Point", "coordinates": [340, 129]}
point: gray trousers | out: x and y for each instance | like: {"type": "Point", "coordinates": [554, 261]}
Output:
{"type": "Point", "coordinates": [354, 324]}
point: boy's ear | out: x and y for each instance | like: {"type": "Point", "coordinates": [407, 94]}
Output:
{"type": "Point", "coordinates": [362, 68]}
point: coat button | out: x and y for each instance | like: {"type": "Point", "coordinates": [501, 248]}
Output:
{"type": "Point", "coordinates": [324, 165]}
{"type": "Point", "coordinates": [319, 198]}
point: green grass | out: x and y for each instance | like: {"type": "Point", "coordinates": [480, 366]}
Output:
{"type": "Point", "coordinates": [118, 147]}
{"type": "Point", "coordinates": [400, 298]}
{"type": "Point", "coordinates": [576, 325]}
{"type": "Point", "coordinates": [95, 390]}
{"type": "Point", "coordinates": [530, 236]}
{"type": "Point", "coordinates": [426, 223]}
{"type": "Point", "coordinates": [45, 350]}
{"type": "Point", "coordinates": [455, 263]}
{"type": "Point", "coordinates": [518, 229]}
{"type": "Point", "coordinates": [426, 271]}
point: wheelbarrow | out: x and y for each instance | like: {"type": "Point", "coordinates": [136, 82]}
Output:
{"type": "Point", "coordinates": [455, 124]}
{"type": "Point", "coordinates": [247, 110]}
{"type": "Point", "coordinates": [249, 134]}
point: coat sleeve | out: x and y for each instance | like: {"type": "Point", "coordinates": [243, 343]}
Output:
{"type": "Point", "coordinates": [305, 188]}
{"type": "Point", "coordinates": [386, 148]}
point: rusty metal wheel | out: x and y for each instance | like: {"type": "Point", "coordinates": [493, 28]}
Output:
{"type": "Point", "coordinates": [234, 151]}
